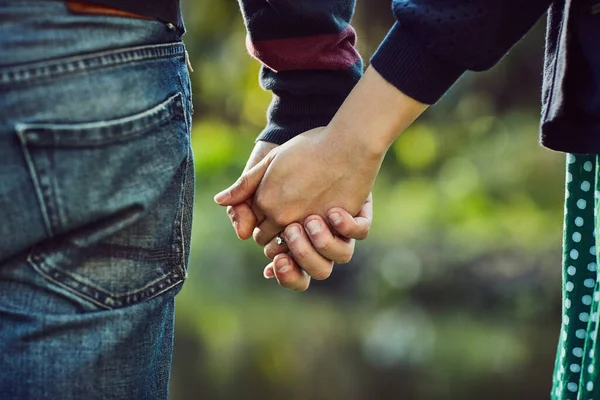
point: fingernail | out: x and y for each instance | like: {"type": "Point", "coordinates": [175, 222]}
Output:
{"type": "Point", "coordinates": [222, 196]}
{"type": "Point", "coordinates": [314, 227]}
{"type": "Point", "coordinates": [335, 218]}
{"type": "Point", "coordinates": [282, 265]}
{"type": "Point", "coordinates": [292, 234]}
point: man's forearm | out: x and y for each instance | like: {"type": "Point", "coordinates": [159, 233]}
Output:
{"type": "Point", "coordinates": [309, 59]}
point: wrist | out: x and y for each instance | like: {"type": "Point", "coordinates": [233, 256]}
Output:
{"type": "Point", "coordinates": [374, 115]}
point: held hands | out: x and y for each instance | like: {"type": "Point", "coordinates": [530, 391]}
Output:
{"type": "Point", "coordinates": [308, 175]}
{"type": "Point", "coordinates": [311, 246]}
{"type": "Point", "coordinates": [328, 167]}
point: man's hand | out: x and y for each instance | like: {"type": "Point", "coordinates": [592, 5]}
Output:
{"type": "Point", "coordinates": [312, 247]}
{"type": "Point", "coordinates": [241, 215]}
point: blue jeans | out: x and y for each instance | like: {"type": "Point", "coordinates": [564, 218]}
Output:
{"type": "Point", "coordinates": [96, 195]}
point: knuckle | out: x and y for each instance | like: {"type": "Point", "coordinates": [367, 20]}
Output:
{"type": "Point", "coordinates": [299, 284]}
{"type": "Point", "coordinates": [300, 288]}
{"type": "Point", "coordinates": [291, 285]}
{"type": "Point", "coordinates": [322, 273]}
{"type": "Point", "coordinates": [361, 233]}
{"type": "Point", "coordinates": [242, 183]}
{"type": "Point", "coordinates": [287, 281]}
{"type": "Point", "coordinates": [342, 228]}
{"type": "Point", "coordinates": [324, 245]}
{"type": "Point", "coordinates": [301, 253]}
{"type": "Point", "coordinates": [344, 258]}
{"type": "Point", "coordinates": [364, 233]}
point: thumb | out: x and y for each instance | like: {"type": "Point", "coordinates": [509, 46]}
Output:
{"type": "Point", "coordinates": [245, 186]}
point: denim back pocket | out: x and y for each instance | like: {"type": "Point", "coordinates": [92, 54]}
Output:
{"type": "Point", "coordinates": [116, 197]}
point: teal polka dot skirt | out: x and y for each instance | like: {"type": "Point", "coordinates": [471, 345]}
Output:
{"type": "Point", "coordinates": [577, 361]}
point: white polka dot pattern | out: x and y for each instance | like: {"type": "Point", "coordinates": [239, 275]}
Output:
{"type": "Point", "coordinates": [575, 372]}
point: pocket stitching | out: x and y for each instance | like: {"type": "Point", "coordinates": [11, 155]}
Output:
{"type": "Point", "coordinates": [78, 64]}
{"type": "Point", "coordinates": [181, 235]}
{"type": "Point", "coordinates": [103, 133]}
{"type": "Point", "coordinates": [39, 262]}
{"type": "Point", "coordinates": [38, 190]}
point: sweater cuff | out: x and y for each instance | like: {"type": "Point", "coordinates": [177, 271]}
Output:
{"type": "Point", "coordinates": [289, 116]}
{"type": "Point", "coordinates": [406, 64]}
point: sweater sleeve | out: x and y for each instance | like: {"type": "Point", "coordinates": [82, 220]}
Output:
{"type": "Point", "coordinates": [434, 42]}
{"type": "Point", "coordinates": [310, 62]}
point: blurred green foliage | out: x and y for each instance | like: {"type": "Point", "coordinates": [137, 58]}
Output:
{"type": "Point", "coordinates": [456, 293]}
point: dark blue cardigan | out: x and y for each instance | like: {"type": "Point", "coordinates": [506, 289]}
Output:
{"type": "Point", "coordinates": [570, 113]}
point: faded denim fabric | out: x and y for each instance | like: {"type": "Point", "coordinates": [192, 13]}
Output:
{"type": "Point", "coordinates": [96, 195]}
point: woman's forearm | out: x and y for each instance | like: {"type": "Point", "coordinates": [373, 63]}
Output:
{"type": "Point", "coordinates": [374, 115]}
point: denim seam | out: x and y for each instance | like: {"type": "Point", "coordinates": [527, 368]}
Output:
{"type": "Point", "coordinates": [183, 89]}
{"type": "Point", "coordinates": [38, 189]}
{"type": "Point", "coordinates": [96, 295]}
{"type": "Point", "coordinates": [106, 132]}
{"type": "Point", "coordinates": [182, 249]}
{"type": "Point", "coordinates": [92, 61]}
{"type": "Point", "coordinates": [182, 210]}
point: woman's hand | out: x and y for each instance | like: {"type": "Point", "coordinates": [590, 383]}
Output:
{"type": "Point", "coordinates": [294, 267]}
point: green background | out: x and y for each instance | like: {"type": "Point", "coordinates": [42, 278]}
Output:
{"type": "Point", "coordinates": [454, 295]}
